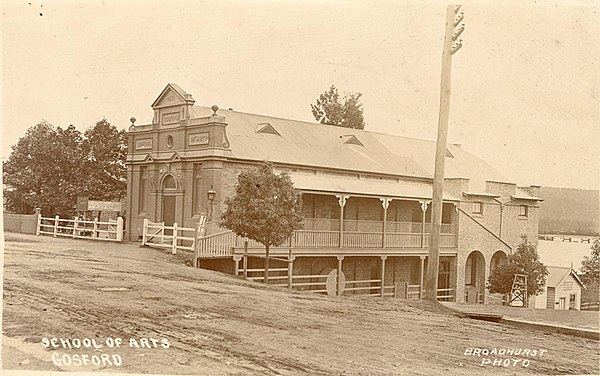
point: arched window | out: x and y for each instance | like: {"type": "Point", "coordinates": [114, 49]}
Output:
{"type": "Point", "coordinates": [169, 182]}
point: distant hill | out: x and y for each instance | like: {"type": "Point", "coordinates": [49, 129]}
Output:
{"type": "Point", "coordinates": [569, 211]}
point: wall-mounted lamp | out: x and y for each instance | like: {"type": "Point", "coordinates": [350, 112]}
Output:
{"type": "Point", "coordinates": [211, 198]}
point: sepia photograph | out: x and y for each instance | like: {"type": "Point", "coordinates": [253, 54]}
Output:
{"type": "Point", "coordinates": [315, 187]}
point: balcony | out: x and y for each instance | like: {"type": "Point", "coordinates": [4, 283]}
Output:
{"type": "Point", "coordinates": [325, 235]}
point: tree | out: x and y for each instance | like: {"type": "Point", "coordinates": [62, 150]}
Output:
{"type": "Point", "coordinates": [524, 261]}
{"type": "Point", "coordinates": [590, 266]}
{"type": "Point", "coordinates": [49, 167]}
{"type": "Point", "coordinates": [265, 208]}
{"type": "Point", "coordinates": [104, 168]}
{"type": "Point", "coordinates": [346, 113]}
{"type": "Point", "coordinates": [41, 170]}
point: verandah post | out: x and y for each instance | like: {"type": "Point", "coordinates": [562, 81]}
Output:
{"type": "Point", "coordinates": [385, 202]}
{"type": "Point", "coordinates": [174, 244]}
{"type": "Point", "coordinates": [342, 201]}
{"type": "Point", "coordinates": [421, 274]}
{"type": "Point", "coordinates": [424, 205]}
{"type": "Point", "coordinates": [290, 268]}
{"type": "Point", "coordinates": [383, 258]}
{"type": "Point", "coordinates": [340, 286]}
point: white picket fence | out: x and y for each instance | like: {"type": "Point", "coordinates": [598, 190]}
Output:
{"type": "Point", "coordinates": [156, 234]}
{"type": "Point", "coordinates": [81, 229]}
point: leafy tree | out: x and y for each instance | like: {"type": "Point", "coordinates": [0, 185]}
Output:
{"type": "Point", "coordinates": [41, 170]}
{"type": "Point", "coordinates": [346, 112]}
{"type": "Point", "coordinates": [590, 266]}
{"type": "Point", "coordinates": [104, 168]}
{"type": "Point", "coordinates": [524, 261]}
{"type": "Point", "coordinates": [265, 208]}
{"type": "Point", "coordinates": [49, 167]}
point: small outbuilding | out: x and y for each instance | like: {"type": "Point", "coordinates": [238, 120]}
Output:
{"type": "Point", "coordinates": [562, 291]}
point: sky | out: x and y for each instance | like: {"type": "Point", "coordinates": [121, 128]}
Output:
{"type": "Point", "coordinates": [525, 85]}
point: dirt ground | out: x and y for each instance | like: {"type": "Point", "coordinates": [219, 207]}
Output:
{"type": "Point", "coordinates": [175, 319]}
{"type": "Point", "coordinates": [570, 318]}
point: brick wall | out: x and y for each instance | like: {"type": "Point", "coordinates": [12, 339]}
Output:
{"type": "Point", "coordinates": [473, 236]}
{"type": "Point", "coordinates": [514, 225]}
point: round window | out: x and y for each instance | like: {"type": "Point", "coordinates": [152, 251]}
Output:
{"type": "Point", "coordinates": [169, 141]}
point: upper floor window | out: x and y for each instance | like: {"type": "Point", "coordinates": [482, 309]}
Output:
{"type": "Point", "coordinates": [169, 182]}
{"type": "Point", "coordinates": [523, 211]}
{"type": "Point", "coordinates": [477, 207]}
{"type": "Point", "coordinates": [568, 286]}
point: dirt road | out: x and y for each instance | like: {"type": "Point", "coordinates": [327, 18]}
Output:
{"type": "Point", "coordinates": [174, 319]}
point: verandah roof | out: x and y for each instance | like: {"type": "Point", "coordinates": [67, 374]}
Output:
{"type": "Point", "coordinates": [364, 187]}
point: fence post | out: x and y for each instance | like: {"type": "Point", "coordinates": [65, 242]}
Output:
{"type": "Point", "coordinates": [174, 246]}
{"type": "Point", "coordinates": [38, 212]}
{"type": "Point", "coordinates": [196, 245]}
{"type": "Point", "coordinates": [95, 235]}
{"type": "Point", "coordinates": [145, 231]}
{"type": "Point", "coordinates": [119, 229]}
{"type": "Point", "coordinates": [245, 259]}
{"type": "Point", "coordinates": [55, 225]}
{"type": "Point", "coordinates": [75, 226]}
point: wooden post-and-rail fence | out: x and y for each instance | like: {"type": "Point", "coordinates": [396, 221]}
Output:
{"type": "Point", "coordinates": [173, 237]}
{"type": "Point", "coordinates": [112, 230]}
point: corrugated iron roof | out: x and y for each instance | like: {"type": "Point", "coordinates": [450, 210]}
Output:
{"type": "Point", "coordinates": [365, 186]}
{"type": "Point", "coordinates": [556, 274]}
{"type": "Point", "coordinates": [319, 145]}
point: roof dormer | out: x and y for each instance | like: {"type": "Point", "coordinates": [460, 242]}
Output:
{"type": "Point", "coordinates": [266, 128]}
{"type": "Point", "coordinates": [350, 139]}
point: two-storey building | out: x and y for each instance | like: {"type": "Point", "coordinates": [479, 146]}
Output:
{"type": "Point", "coordinates": [366, 196]}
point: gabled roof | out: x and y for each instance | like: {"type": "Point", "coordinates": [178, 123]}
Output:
{"type": "Point", "coordinates": [557, 275]}
{"type": "Point", "coordinates": [318, 145]}
{"type": "Point", "coordinates": [185, 97]}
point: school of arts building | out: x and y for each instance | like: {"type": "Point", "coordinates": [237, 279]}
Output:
{"type": "Point", "coordinates": [366, 197]}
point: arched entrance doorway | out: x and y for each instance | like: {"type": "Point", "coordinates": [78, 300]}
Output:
{"type": "Point", "coordinates": [475, 277]}
{"type": "Point", "coordinates": [168, 200]}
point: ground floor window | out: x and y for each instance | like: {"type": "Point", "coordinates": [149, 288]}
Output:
{"type": "Point", "coordinates": [572, 298]}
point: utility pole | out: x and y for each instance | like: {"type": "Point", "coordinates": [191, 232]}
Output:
{"type": "Point", "coordinates": [451, 45]}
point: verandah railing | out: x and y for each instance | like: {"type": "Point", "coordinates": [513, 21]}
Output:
{"type": "Point", "coordinates": [219, 244]}
{"type": "Point", "coordinates": [214, 241]}
{"type": "Point", "coordinates": [111, 230]}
